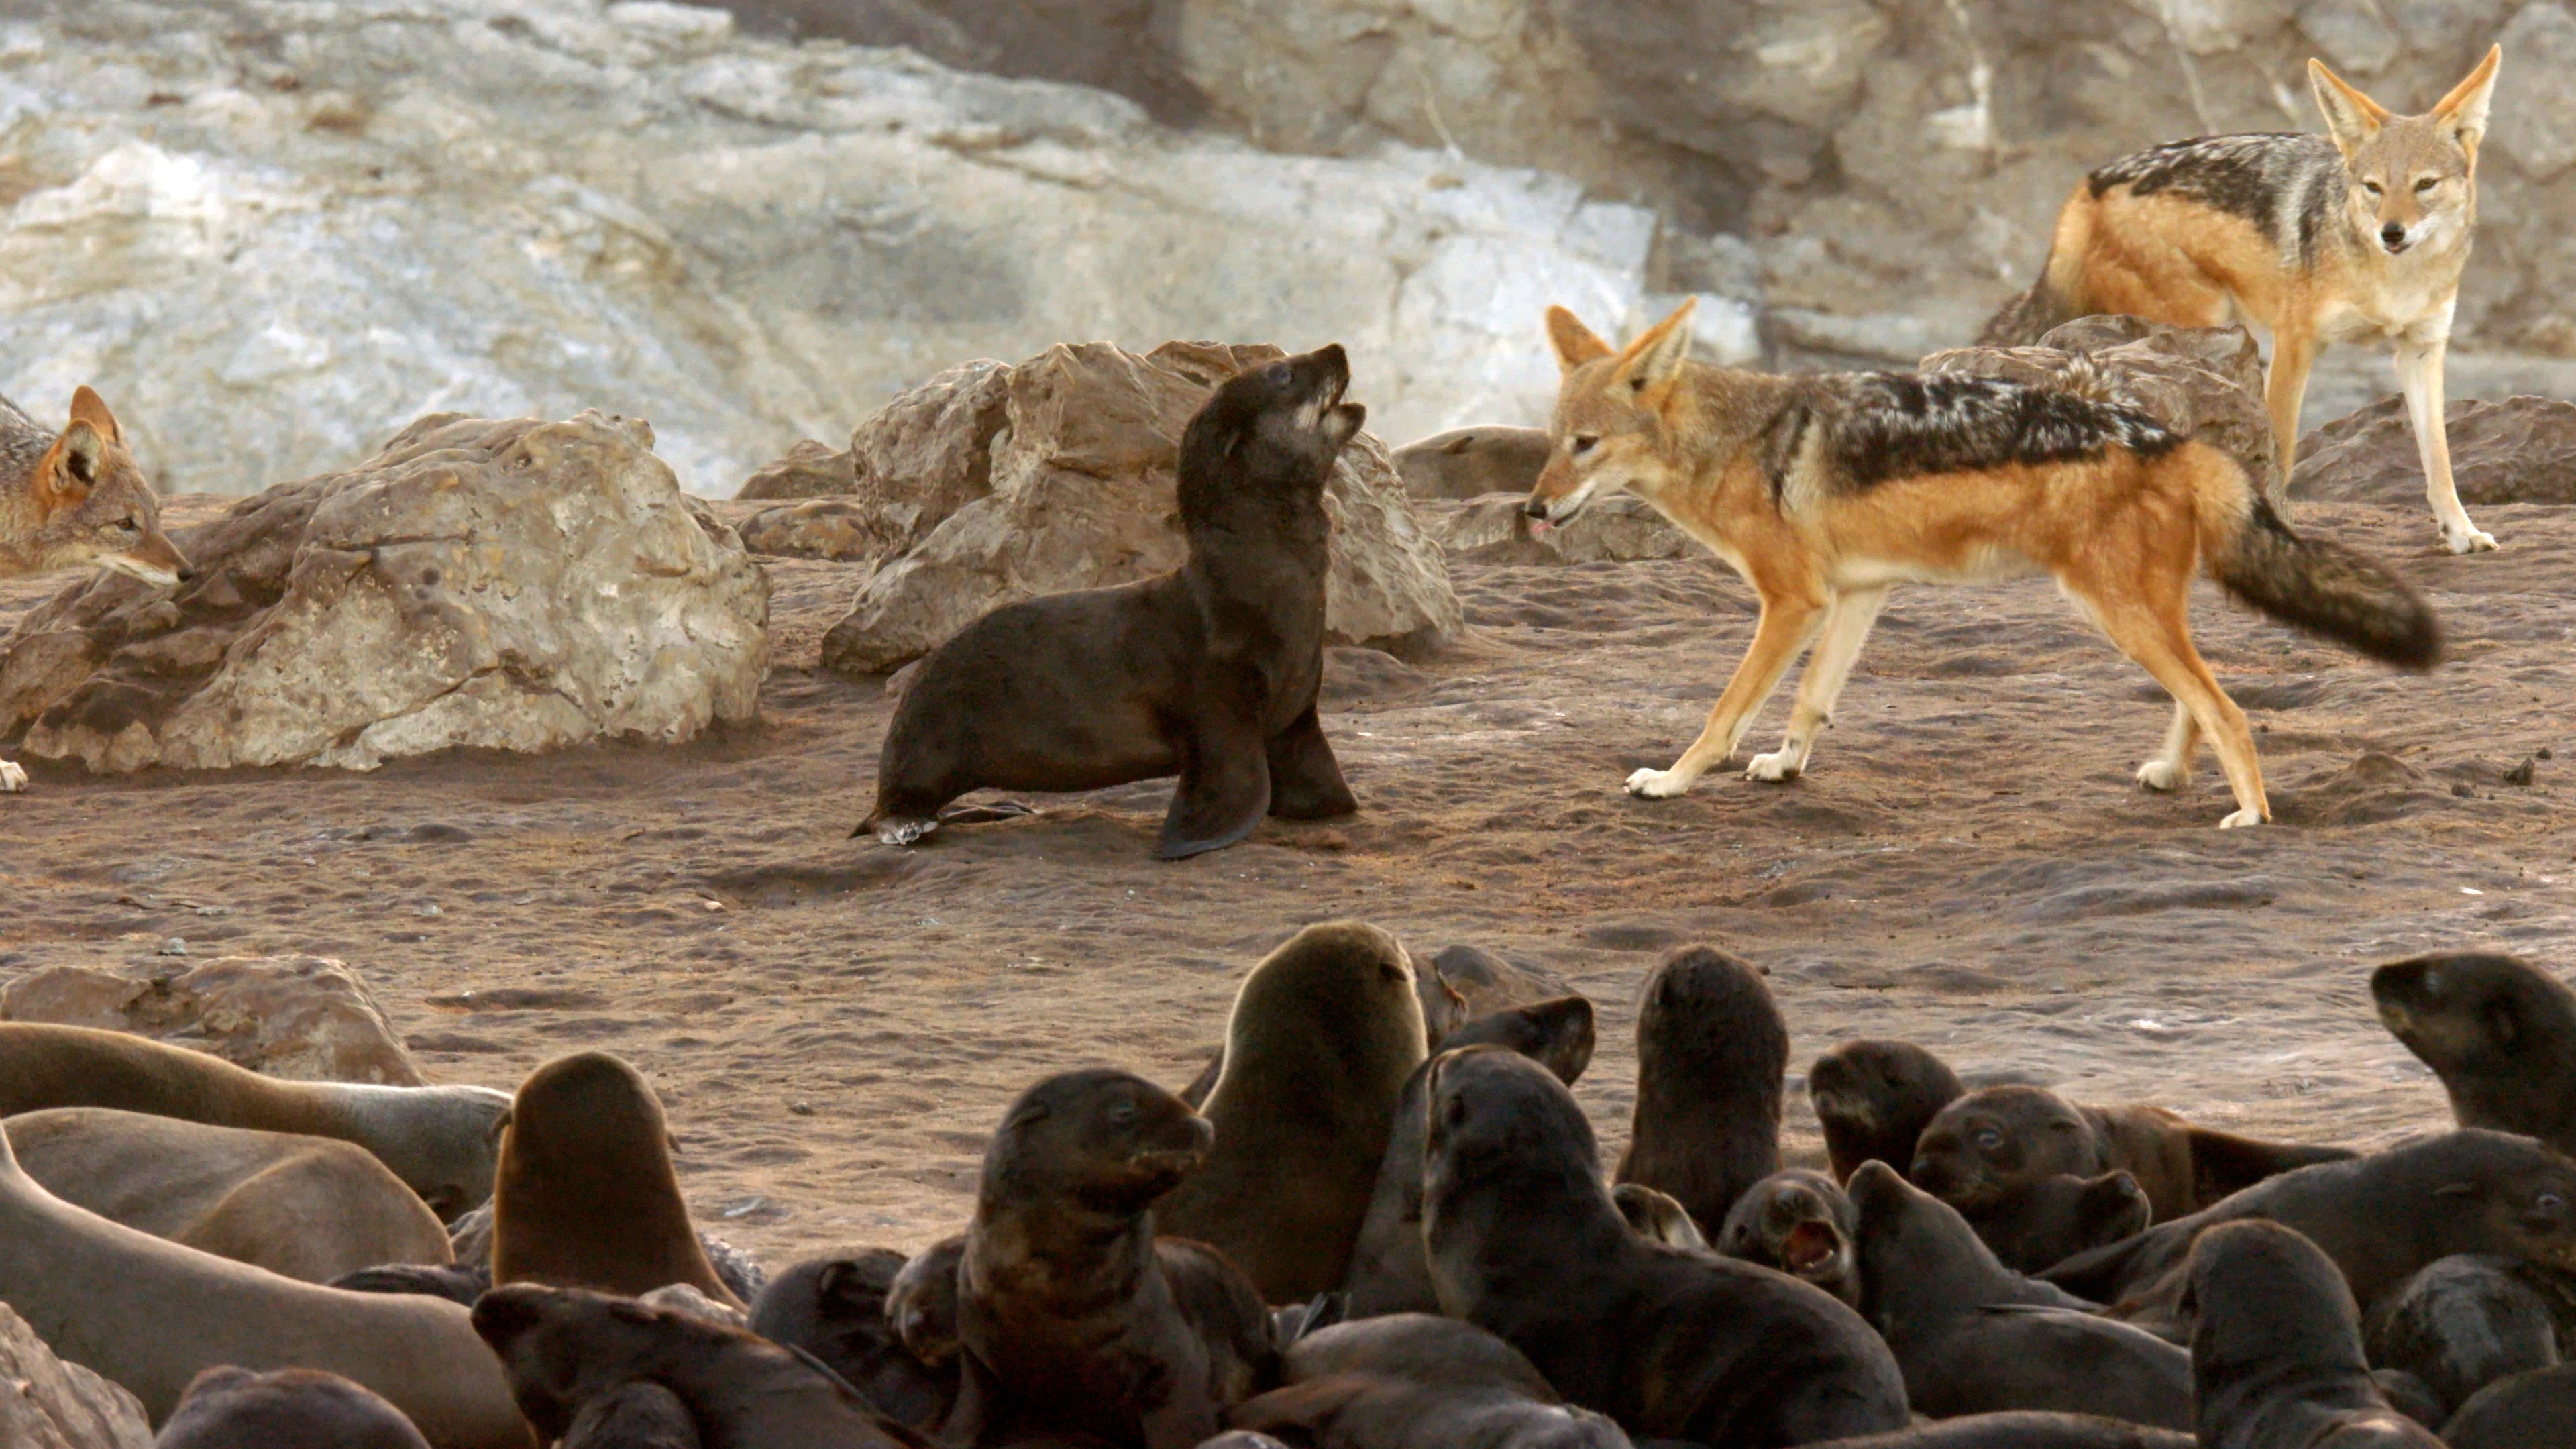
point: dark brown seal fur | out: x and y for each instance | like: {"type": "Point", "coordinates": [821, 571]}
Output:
{"type": "Point", "coordinates": [2528, 1411]}
{"type": "Point", "coordinates": [1322, 1036]}
{"type": "Point", "coordinates": [1712, 1062]}
{"type": "Point", "coordinates": [2034, 1226]}
{"type": "Point", "coordinates": [1801, 1223]}
{"type": "Point", "coordinates": [839, 1308]}
{"type": "Point", "coordinates": [233, 1408]}
{"type": "Point", "coordinates": [2276, 1352]}
{"type": "Point", "coordinates": [585, 1196]}
{"type": "Point", "coordinates": [1073, 1317]}
{"type": "Point", "coordinates": [1874, 1098]}
{"type": "Point", "coordinates": [2462, 1324]}
{"type": "Point", "coordinates": [1975, 1337]}
{"type": "Point", "coordinates": [1413, 1379]}
{"type": "Point", "coordinates": [564, 1348]}
{"type": "Point", "coordinates": [1524, 1242]}
{"type": "Point", "coordinates": [1208, 672]}
{"type": "Point", "coordinates": [640, 1415]}
{"type": "Point", "coordinates": [2498, 1031]}
{"type": "Point", "coordinates": [2022, 1431]}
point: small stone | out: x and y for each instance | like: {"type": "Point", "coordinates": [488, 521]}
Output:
{"type": "Point", "coordinates": [2520, 774]}
{"type": "Point", "coordinates": [2463, 791]}
{"type": "Point", "coordinates": [175, 946]}
{"type": "Point", "coordinates": [801, 1109]}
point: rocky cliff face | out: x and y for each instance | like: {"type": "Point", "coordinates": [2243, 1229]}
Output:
{"type": "Point", "coordinates": [273, 234]}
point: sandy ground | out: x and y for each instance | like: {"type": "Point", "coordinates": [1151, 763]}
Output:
{"type": "Point", "coordinates": [836, 1024]}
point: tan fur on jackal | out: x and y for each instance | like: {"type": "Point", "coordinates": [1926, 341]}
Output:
{"type": "Point", "coordinates": [73, 499]}
{"type": "Point", "coordinates": [1824, 491]}
{"type": "Point", "coordinates": [2356, 236]}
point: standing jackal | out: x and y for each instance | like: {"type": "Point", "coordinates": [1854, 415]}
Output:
{"type": "Point", "coordinates": [1824, 491]}
{"type": "Point", "coordinates": [2355, 236]}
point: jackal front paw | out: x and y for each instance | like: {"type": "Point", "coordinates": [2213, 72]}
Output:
{"type": "Point", "coordinates": [2163, 774]}
{"type": "Point", "coordinates": [13, 778]}
{"type": "Point", "coordinates": [2470, 540]}
{"type": "Point", "coordinates": [1656, 784]}
{"type": "Point", "coordinates": [2242, 819]}
{"type": "Point", "coordinates": [1778, 766]}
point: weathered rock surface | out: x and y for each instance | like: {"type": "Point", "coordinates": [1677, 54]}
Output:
{"type": "Point", "coordinates": [1612, 529]}
{"type": "Point", "coordinates": [1472, 462]}
{"type": "Point", "coordinates": [2520, 450]}
{"type": "Point", "coordinates": [1069, 483]}
{"type": "Point", "coordinates": [270, 254]}
{"type": "Point", "coordinates": [809, 470]}
{"type": "Point", "coordinates": [306, 1018]}
{"type": "Point", "coordinates": [46, 1403]}
{"type": "Point", "coordinates": [517, 585]}
{"type": "Point", "coordinates": [2204, 381]}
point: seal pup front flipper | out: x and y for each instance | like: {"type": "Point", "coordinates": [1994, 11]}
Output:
{"type": "Point", "coordinates": [1225, 777]}
{"type": "Point", "coordinates": [1305, 780]}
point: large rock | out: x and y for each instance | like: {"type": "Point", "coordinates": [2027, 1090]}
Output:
{"type": "Point", "coordinates": [2203, 381]}
{"type": "Point", "coordinates": [808, 470]}
{"type": "Point", "coordinates": [517, 585]}
{"type": "Point", "coordinates": [307, 1018]}
{"type": "Point", "coordinates": [2521, 450]}
{"type": "Point", "coordinates": [1070, 484]}
{"type": "Point", "coordinates": [46, 1403]}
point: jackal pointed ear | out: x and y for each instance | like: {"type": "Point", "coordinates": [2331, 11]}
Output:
{"type": "Point", "coordinates": [1656, 357]}
{"type": "Point", "coordinates": [2351, 117]}
{"type": "Point", "coordinates": [1575, 343]}
{"type": "Point", "coordinates": [2464, 111]}
{"type": "Point", "coordinates": [88, 407]}
{"type": "Point", "coordinates": [81, 458]}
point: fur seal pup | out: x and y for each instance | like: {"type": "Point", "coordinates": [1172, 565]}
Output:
{"type": "Point", "coordinates": [1659, 1217]}
{"type": "Point", "coordinates": [563, 1348]}
{"type": "Point", "coordinates": [311, 1208]}
{"type": "Point", "coordinates": [1073, 1316]}
{"type": "Point", "coordinates": [1472, 462]}
{"type": "Point", "coordinates": [1444, 1010]}
{"type": "Point", "coordinates": [640, 1415]}
{"type": "Point", "coordinates": [438, 1140]}
{"type": "Point", "coordinates": [2034, 1226]}
{"type": "Point", "coordinates": [1389, 1273]}
{"type": "Point", "coordinates": [1975, 1337]}
{"type": "Point", "coordinates": [1995, 1139]}
{"type": "Point", "coordinates": [841, 1308]}
{"type": "Point", "coordinates": [2276, 1351]}
{"type": "Point", "coordinates": [233, 1408]}
{"type": "Point", "coordinates": [2535, 1410]}
{"type": "Point", "coordinates": [586, 1197]}
{"type": "Point", "coordinates": [2499, 1032]}
{"type": "Point", "coordinates": [1208, 672]}
{"type": "Point", "coordinates": [152, 1315]}
{"type": "Point", "coordinates": [2381, 1218]}
{"type": "Point", "coordinates": [2023, 1431]}
{"type": "Point", "coordinates": [1801, 1223]}
{"type": "Point", "coordinates": [1412, 1379]}
{"type": "Point", "coordinates": [1874, 1098]}
{"type": "Point", "coordinates": [921, 1303]}
{"type": "Point", "coordinates": [1525, 1243]}
{"type": "Point", "coordinates": [2462, 1324]}
{"type": "Point", "coordinates": [1712, 1062]}
{"type": "Point", "coordinates": [1323, 1033]}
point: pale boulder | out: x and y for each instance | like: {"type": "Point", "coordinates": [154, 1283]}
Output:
{"type": "Point", "coordinates": [46, 1403]}
{"type": "Point", "coordinates": [303, 1018]}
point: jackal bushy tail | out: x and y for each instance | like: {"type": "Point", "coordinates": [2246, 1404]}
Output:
{"type": "Point", "coordinates": [2326, 589]}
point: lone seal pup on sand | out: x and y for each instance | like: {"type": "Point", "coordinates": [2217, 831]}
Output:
{"type": "Point", "coordinates": [1208, 672]}
{"type": "Point", "coordinates": [1712, 1062]}
{"type": "Point", "coordinates": [1975, 1337]}
{"type": "Point", "coordinates": [586, 1197]}
{"type": "Point", "coordinates": [1874, 1098]}
{"type": "Point", "coordinates": [1073, 1316]}
{"type": "Point", "coordinates": [1323, 1033]}
{"type": "Point", "coordinates": [438, 1140]}
{"type": "Point", "coordinates": [2276, 1354]}
{"type": "Point", "coordinates": [2499, 1032]}
{"type": "Point", "coordinates": [1525, 1243]}
{"type": "Point", "coordinates": [233, 1408]}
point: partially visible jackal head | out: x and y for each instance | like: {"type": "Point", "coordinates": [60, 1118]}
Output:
{"type": "Point", "coordinates": [1609, 431]}
{"type": "Point", "coordinates": [2410, 181]}
{"type": "Point", "coordinates": [92, 505]}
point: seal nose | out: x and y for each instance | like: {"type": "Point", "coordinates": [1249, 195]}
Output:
{"type": "Point", "coordinates": [2392, 236]}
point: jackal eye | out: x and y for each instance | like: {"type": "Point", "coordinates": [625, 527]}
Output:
{"type": "Point", "coordinates": [2425, 183]}
{"type": "Point", "coordinates": [130, 524]}
{"type": "Point", "coordinates": [1581, 443]}
{"type": "Point", "coordinates": [2374, 188]}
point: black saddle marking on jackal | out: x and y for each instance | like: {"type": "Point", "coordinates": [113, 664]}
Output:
{"type": "Point", "coordinates": [2252, 176]}
{"type": "Point", "coordinates": [1902, 425]}
{"type": "Point", "coordinates": [1777, 448]}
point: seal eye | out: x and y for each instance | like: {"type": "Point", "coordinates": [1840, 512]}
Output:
{"type": "Point", "coordinates": [1276, 374]}
{"type": "Point", "coordinates": [1582, 443]}
{"type": "Point", "coordinates": [1988, 1139]}
{"type": "Point", "coordinates": [2550, 1202]}
{"type": "Point", "coordinates": [1122, 1114]}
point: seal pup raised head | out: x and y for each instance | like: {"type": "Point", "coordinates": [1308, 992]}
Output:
{"type": "Point", "coordinates": [1072, 1316]}
{"type": "Point", "coordinates": [2276, 1351]}
{"type": "Point", "coordinates": [1801, 1223]}
{"type": "Point", "coordinates": [1975, 1337]}
{"type": "Point", "coordinates": [1712, 1063]}
{"type": "Point", "coordinates": [1525, 1242]}
{"type": "Point", "coordinates": [1323, 1033]}
{"type": "Point", "coordinates": [586, 1196]}
{"type": "Point", "coordinates": [2498, 1031]}
{"type": "Point", "coordinates": [234, 1408]}
{"type": "Point", "coordinates": [1874, 1098]}
{"type": "Point", "coordinates": [1209, 672]}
